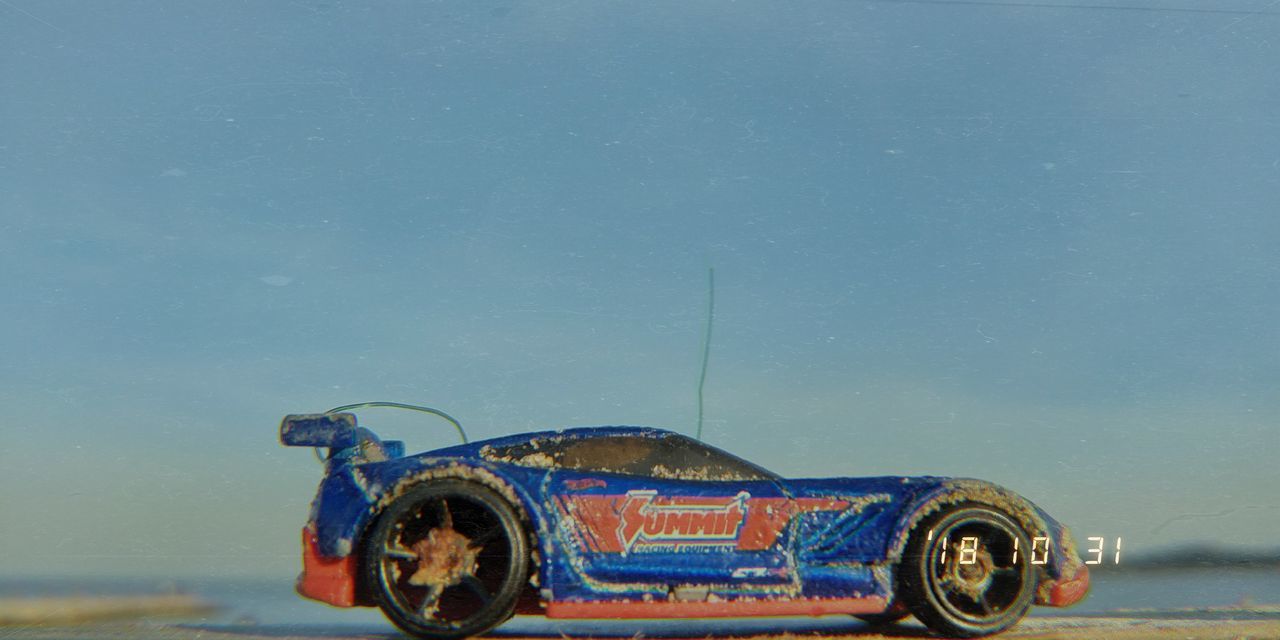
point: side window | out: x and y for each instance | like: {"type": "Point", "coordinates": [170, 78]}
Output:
{"type": "Point", "coordinates": [618, 454]}
{"type": "Point", "coordinates": [621, 454]}
{"type": "Point", "coordinates": [684, 458]}
{"type": "Point", "coordinates": [672, 457]}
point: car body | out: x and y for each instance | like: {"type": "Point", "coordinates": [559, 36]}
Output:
{"type": "Point", "coordinates": [633, 522]}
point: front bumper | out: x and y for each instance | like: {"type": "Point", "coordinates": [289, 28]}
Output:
{"type": "Point", "coordinates": [1070, 590]}
{"type": "Point", "coordinates": [329, 580]}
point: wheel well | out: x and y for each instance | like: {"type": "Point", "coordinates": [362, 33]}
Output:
{"type": "Point", "coordinates": [992, 593]}
{"type": "Point", "coordinates": [364, 591]}
{"type": "Point", "coordinates": [934, 508]}
{"type": "Point", "coordinates": [968, 492]}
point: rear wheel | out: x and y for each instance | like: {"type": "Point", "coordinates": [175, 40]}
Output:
{"type": "Point", "coordinates": [447, 560]}
{"type": "Point", "coordinates": [965, 572]}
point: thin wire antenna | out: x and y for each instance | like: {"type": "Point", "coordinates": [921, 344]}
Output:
{"type": "Point", "coordinates": [412, 407]}
{"type": "Point", "coordinates": [706, 341]}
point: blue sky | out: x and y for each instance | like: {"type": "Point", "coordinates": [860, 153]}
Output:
{"type": "Point", "coordinates": [1030, 244]}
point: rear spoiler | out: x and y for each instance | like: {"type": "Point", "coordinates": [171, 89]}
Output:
{"type": "Point", "coordinates": [334, 430]}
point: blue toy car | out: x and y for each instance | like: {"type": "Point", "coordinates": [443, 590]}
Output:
{"type": "Point", "coordinates": [629, 522]}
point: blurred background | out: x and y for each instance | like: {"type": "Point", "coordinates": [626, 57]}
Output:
{"type": "Point", "coordinates": [1029, 242]}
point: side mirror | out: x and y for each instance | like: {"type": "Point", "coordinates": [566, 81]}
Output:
{"type": "Point", "coordinates": [394, 448]}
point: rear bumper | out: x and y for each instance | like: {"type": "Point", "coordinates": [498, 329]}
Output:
{"type": "Point", "coordinates": [1070, 590]}
{"type": "Point", "coordinates": [329, 580]}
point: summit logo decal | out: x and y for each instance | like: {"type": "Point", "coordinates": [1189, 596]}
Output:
{"type": "Point", "coordinates": [677, 524]}
{"type": "Point", "coordinates": [643, 520]}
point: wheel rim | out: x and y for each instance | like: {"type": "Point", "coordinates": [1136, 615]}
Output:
{"type": "Point", "coordinates": [445, 561]}
{"type": "Point", "coordinates": [975, 571]}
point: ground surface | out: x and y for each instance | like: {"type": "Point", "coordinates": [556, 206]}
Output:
{"type": "Point", "coordinates": [1205, 625]}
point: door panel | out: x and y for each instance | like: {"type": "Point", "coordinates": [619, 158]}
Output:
{"type": "Point", "coordinates": [632, 529]}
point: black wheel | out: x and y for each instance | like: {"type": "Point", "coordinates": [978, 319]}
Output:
{"type": "Point", "coordinates": [883, 619]}
{"type": "Point", "coordinates": [966, 573]}
{"type": "Point", "coordinates": [447, 559]}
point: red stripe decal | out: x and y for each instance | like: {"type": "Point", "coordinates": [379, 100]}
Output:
{"type": "Point", "coordinates": [642, 518]}
{"type": "Point", "coordinates": [726, 608]}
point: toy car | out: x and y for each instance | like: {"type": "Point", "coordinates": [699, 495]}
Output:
{"type": "Point", "coordinates": [630, 522]}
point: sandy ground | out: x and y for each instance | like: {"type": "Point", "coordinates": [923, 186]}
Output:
{"type": "Point", "coordinates": [71, 610]}
{"type": "Point", "coordinates": [137, 617]}
{"type": "Point", "coordinates": [1179, 626]}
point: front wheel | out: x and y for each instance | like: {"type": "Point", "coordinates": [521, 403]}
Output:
{"type": "Point", "coordinates": [447, 560]}
{"type": "Point", "coordinates": [965, 572]}
{"type": "Point", "coordinates": [883, 619]}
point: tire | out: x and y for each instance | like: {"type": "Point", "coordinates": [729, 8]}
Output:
{"type": "Point", "coordinates": [446, 560]}
{"type": "Point", "coordinates": [882, 619]}
{"type": "Point", "coordinates": [966, 589]}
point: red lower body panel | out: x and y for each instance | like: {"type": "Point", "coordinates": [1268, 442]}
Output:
{"type": "Point", "coordinates": [1070, 590]}
{"type": "Point", "coordinates": [725, 608]}
{"type": "Point", "coordinates": [329, 580]}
